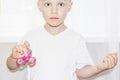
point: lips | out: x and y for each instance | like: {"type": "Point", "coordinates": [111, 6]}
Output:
{"type": "Point", "coordinates": [54, 18]}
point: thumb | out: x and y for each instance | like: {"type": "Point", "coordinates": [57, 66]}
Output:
{"type": "Point", "coordinates": [26, 44]}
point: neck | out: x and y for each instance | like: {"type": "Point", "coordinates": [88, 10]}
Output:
{"type": "Point", "coordinates": [55, 29]}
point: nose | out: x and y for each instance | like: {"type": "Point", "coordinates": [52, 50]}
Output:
{"type": "Point", "coordinates": [54, 10]}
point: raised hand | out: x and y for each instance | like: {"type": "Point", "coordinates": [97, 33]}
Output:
{"type": "Point", "coordinates": [20, 50]}
{"type": "Point", "coordinates": [108, 62]}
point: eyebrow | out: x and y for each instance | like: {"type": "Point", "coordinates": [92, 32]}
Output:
{"type": "Point", "coordinates": [44, 0]}
{"type": "Point", "coordinates": [47, 0]}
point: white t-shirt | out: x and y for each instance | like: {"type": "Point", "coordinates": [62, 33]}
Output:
{"type": "Point", "coordinates": [57, 56]}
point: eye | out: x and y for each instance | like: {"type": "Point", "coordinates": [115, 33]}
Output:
{"type": "Point", "coordinates": [61, 4]}
{"type": "Point", "coordinates": [47, 4]}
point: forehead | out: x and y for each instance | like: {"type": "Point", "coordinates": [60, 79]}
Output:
{"type": "Point", "coordinates": [54, 0]}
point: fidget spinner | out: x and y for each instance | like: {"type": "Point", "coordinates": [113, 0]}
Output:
{"type": "Point", "coordinates": [26, 59]}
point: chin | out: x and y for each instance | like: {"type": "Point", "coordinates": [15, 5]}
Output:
{"type": "Point", "coordinates": [54, 25]}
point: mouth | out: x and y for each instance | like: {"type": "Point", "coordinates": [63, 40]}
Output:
{"type": "Point", "coordinates": [54, 18]}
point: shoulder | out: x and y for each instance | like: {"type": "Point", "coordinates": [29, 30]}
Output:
{"type": "Point", "coordinates": [75, 34]}
{"type": "Point", "coordinates": [34, 32]}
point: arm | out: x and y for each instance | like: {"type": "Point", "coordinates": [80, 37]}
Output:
{"type": "Point", "coordinates": [88, 71]}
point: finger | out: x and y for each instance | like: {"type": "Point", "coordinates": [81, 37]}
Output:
{"type": "Point", "coordinates": [14, 52]}
{"type": "Point", "coordinates": [14, 49]}
{"type": "Point", "coordinates": [19, 51]}
{"type": "Point", "coordinates": [111, 61]}
{"type": "Point", "coordinates": [19, 48]}
{"type": "Point", "coordinates": [27, 44]}
{"type": "Point", "coordinates": [105, 61]}
{"type": "Point", "coordinates": [24, 50]}
{"type": "Point", "coordinates": [115, 58]}
{"type": "Point", "coordinates": [104, 64]}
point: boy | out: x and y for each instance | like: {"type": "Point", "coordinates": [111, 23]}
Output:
{"type": "Point", "coordinates": [60, 52]}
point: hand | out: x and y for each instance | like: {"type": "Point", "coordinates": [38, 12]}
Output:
{"type": "Point", "coordinates": [20, 50]}
{"type": "Point", "coordinates": [108, 62]}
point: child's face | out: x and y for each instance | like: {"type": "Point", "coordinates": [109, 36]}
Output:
{"type": "Point", "coordinates": [54, 11]}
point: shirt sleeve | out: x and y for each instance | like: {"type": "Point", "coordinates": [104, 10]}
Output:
{"type": "Point", "coordinates": [83, 57]}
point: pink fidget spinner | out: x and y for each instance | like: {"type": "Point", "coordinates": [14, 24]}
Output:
{"type": "Point", "coordinates": [26, 59]}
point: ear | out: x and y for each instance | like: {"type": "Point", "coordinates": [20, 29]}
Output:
{"type": "Point", "coordinates": [39, 6]}
{"type": "Point", "coordinates": [70, 6]}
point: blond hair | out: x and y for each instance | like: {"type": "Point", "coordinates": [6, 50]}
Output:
{"type": "Point", "coordinates": [40, 0]}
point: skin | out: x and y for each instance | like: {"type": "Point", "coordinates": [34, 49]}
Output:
{"type": "Point", "coordinates": [59, 9]}
{"type": "Point", "coordinates": [54, 8]}
{"type": "Point", "coordinates": [18, 51]}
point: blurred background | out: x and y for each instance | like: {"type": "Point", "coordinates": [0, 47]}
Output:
{"type": "Point", "coordinates": [97, 20]}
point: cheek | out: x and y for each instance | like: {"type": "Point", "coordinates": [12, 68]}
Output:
{"type": "Point", "coordinates": [63, 12]}
{"type": "Point", "coordinates": [46, 14]}
{"type": "Point", "coordinates": [63, 15]}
